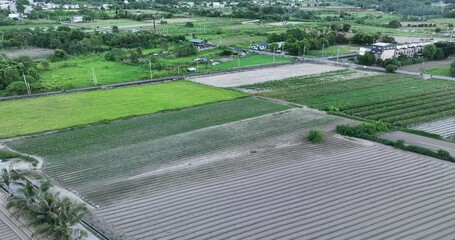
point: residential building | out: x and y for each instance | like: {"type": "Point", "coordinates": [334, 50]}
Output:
{"type": "Point", "coordinates": [383, 50]}
{"type": "Point", "coordinates": [260, 46]}
{"type": "Point", "coordinates": [201, 44]}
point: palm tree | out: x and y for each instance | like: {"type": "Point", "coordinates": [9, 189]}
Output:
{"type": "Point", "coordinates": [50, 216]}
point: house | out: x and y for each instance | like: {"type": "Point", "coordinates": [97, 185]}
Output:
{"type": "Point", "coordinates": [77, 19]}
{"type": "Point", "coordinates": [260, 46]}
{"type": "Point", "coordinates": [237, 50]}
{"type": "Point", "coordinates": [201, 44]}
{"type": "Point", "coordinates": [383, 50]}
{"type": "Point", "coordinates": [15, 16]}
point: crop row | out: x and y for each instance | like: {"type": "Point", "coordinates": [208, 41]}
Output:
{"type": "Point", "coordinates": [401, 110]}
{"type": "Point", "coordinates": [329, 195]}
{"type": "Point", "coordinates": [399, 101]}
{"type": "Point", "coordinates": [428, 117]}
{"type": "Point", "coordinates": [409, 97]}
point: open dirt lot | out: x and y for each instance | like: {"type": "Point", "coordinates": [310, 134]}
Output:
{"type": "Point", "coordinates": [407, 39]}
{"type": "Point", "coordinates": [33, 53]}
{"type": "Point", "coordinates": [284, 23]}
{"type": "Point", "coordinates": [263, 75]}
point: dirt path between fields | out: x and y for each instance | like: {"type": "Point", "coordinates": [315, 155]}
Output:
{"type": "Point", "coordinates": [421, 141]}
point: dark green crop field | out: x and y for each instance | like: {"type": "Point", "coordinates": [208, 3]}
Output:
{"type": "Point", "coordinates": [396, 99]}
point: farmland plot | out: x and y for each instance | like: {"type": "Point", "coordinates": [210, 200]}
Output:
{"type": "Point", "coordinates": [257, 178]}
{"type": "Point", "coordinates": [36, 115]}
{"type": "Point", "coordinates": [99, 161]}
{"type": "Point", "coordinates": [444, 127]}
{"type": "Point", "coordinates": [402, 101]}
{"type": "Point", "coordinates": [336, 190]}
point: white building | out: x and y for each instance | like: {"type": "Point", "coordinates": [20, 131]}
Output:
{"type": "Point", "coordinates": [77, 19]}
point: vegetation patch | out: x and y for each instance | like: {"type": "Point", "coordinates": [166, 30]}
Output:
{"type": "Point", "coordinates": [35, 115]}
{"type": "Point", "coordinates": [5, 155]}
{"type": "Point", "coordinates": [316, 135]}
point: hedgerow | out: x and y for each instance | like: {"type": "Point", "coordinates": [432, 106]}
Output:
{"type": "Point", "coordinates": [370, 131]}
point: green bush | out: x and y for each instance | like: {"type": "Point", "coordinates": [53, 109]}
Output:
{"type": "Point", "coordinates": [316, 135]}
{"type": "Point", "coordinates": [391, 68]}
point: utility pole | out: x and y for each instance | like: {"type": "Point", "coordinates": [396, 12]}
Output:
{"type": "Point", "coordinates": [220, 40]}
{"type": "Point", "coordinates": [274, 55]}
{"type": "Point", "coordinates": [150, 69]}
{"type": "Point", "coordinates": [323, 50]}
{"type": "Point", "coordinates": [154, 24]}
{"type": "Point", "coordinates": [304, 48]}
{"type": "Point", "coordinates": [423, 68]}
{"type": "Point", "coordinates": [95, 82]}
{"type": "Point", "coordinates": [27, 85]}
{"type": "Point", "coordinates": [338, 54]}
{"type": "Point", "coordinates": [238, 61]}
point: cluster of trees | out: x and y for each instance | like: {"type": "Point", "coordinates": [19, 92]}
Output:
{"type": "Point", "coordinates": [75, 41]}
{"type": "Point", "coordinates": [13, 72]}
{"type": "Point", "coordinates": [50, 216]}
{"type": "Point", "coordinates": [298, 40]}
{"type": "Point", "coordinates": [403, 7]}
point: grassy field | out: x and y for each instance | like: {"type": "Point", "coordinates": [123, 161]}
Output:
{"type": "Point", "coordinates": [77, 72]}
{"type": "Point", "coordinates": [62, 75]}
{"type": "Point", "coordinates": [395, 99]}
{"type": "Point", "coordinates": [442, 71]}
{"type": "Point", "coordinates": [331, 51]}
{"type": "Point", "coordinates": [62, 111]}
{"type": "Point", "coordinates": [251, 61]}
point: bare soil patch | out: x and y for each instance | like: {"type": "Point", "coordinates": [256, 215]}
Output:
{"type": "Point", "coordinates": [33, 53]}
{"type": "Point", "coordinates": [264, 75]}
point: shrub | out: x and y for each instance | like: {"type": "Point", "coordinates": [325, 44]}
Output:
{"type": "Point", "coordinates": [391, 68]}
{"type": "Point", "coordinates": [316, 135]}
{"type": "Point", "coordinates": [58, 55]}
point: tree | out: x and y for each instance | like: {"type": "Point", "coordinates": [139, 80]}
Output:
{"type": "Point", "coordinates": [368, 59]}
{"type": "Point", "coordinates": [429, 51]}
{"type": "Point", "coordinates": [50, 216]}
{"type": "Point", "coordinates": [438, 30]}
{"type": "Point", "coordinates": [20, 5]}
{"type": "Point", "coordinates": [185, 50]}
{"type": "Point", "coordinates": [134, 57]}
{"type": "Point", "coordinates": [452, 69]}
{"type": "Point", "coordinates": [115, 29]}
{"type": "Point", "coordinates": [189, 25]}
{"type": "Point", "coordinates": [394, 24]}
{"type": "Point", "coordinates": [346, 27]}
{"type": "Point", "coordinates": [58, 55]}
